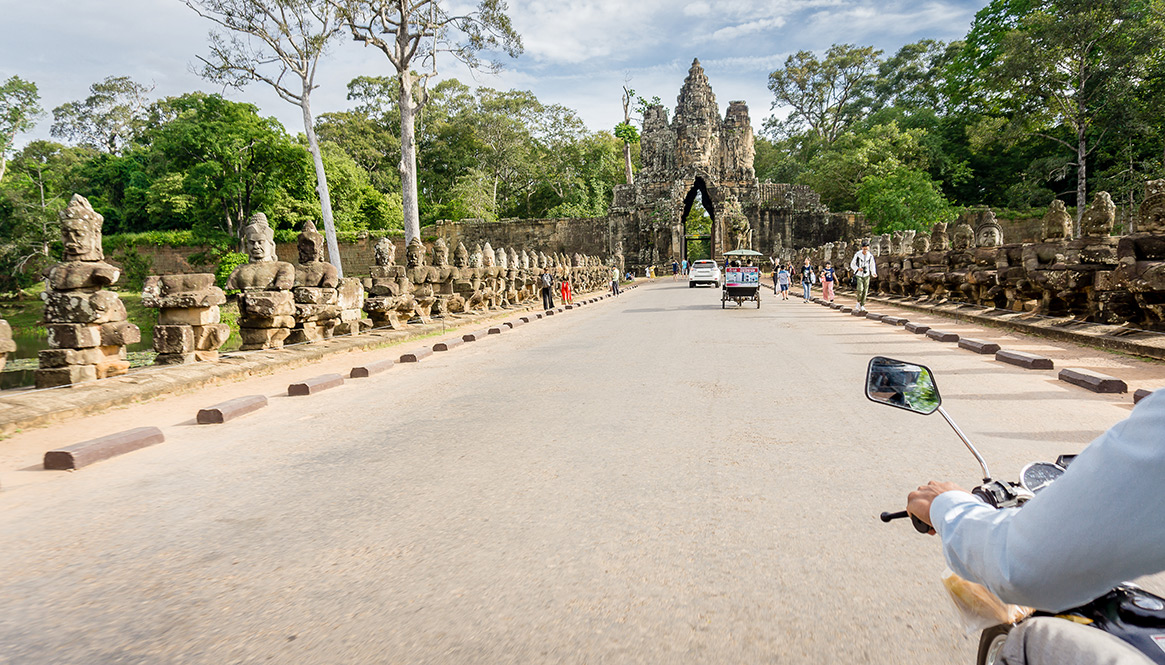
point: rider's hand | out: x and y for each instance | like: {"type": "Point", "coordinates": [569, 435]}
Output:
{"type": "Point", "coordinates": [918, 502]}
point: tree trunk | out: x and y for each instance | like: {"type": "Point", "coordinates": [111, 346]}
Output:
{"type": "Point", "coordinates": [627, 163]}
{"type": "Point", "coordinates": [321, 181]}
{"type": "Point", "coordinates": [1081, 177]}
{"type": "Point", "coordinates": [3, 165]}
{"type": "Point", "coordinates": [408, 157]}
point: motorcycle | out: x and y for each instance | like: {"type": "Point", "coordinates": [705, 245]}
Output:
{"type": "Point", "coordinates": [1126, 611]}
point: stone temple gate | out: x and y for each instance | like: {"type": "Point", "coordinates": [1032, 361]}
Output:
{"type": "Point", "coordinates": [700, 152]}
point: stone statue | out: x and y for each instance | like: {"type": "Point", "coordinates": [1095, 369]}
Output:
{"type": "Point", "coordinates": [939, 242]}
{"type": "Point", "coordinates": [1057, 223]}
{"type": "Point", "coordinates": [188, 328]}
{"type": "Point", "coordinates": [316, 292]}
{"type": "Point", "coordinates": [989, 233]}
{"type": "Point", "coordinates": [1100, 217]}
{"type": "Point", "coordinates": [422, 280]}
{"type": "Point", "coordinates": [266, 306]}
{"type": "Point", "coordinates": [1141, 268]}
{"type": "Point", "coordinates": [390, 302]}
{"type": "Point", "coordinates": [964, 237]}
{"type": "Point", "coordinates": [738, 227]}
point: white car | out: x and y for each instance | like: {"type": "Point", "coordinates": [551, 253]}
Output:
{"type": "Point", "coordinates": [704, 272]}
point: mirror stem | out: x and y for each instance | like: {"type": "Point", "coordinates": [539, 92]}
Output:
{"type": "Point", "coordinates": [983, 464]}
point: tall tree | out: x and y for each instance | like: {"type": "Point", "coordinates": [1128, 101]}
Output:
{"type": "Point", "coordinates": [824, 96]}
{"type": "Point", "coordinates": [1058, 68]}
{"type": "Point", "coordinates": [19, 107]}
{"type": "Point", "coordinates": [412, 34]}
{"type": "Point", "coordinates": [627, 132]}
{"type": "Point", "coordinates": [111, 116]}
{"type": "Point", "coordinates": [277, 42]}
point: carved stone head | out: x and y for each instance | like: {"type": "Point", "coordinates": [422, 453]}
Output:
{"type": "Point", "coordinates": [921, 244]}
{"type": "Point", "coordinates": [885, 244]}
{"type": "Point", "coordinates": [1100, 217]}
{"type": "Point", "coordinates": [1152, 215]}
{"type": "Point", "coordinates": [1057, 223]}
{"type": "Point", "coordinates": [477, 259]}
{"type": "Point", "coordinates": [514, 260]}
{"type": "Point", "coordinates": [488, 256]}
{"type": "Point", "coordinates": [81, 231]}
{"type": "Point", "coordinates": [415, 254]}
{"type": "Point", "coordinates": [385, 252]}
{"type": "Point", "coordinates": [939, 242]}
{"type": "Point", "coordinates": [501, 259]}
{"type": "Point", "coordinates": [524, 261]}
{"type": "Point", "coordinates": [440, 253]}
{"type": "Point", "coordinates": [259, 239]}
{"type": "Point", "coordinates": [908, 241]}
{"type": "Point", "coordinates": [989, 233]}
{"type": "Point", "coordinates": [310, 244]}
{"type": "Point", "coordinates": [461, 256]}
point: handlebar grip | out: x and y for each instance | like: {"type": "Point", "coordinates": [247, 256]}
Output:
{"type": "Point", "coordinates": [919, 525]}
{"type": "Point", "coordinates": [887, 517]}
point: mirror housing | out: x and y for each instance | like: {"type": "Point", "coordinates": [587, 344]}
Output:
{"type": "Point", "coordinates": [903, 385]}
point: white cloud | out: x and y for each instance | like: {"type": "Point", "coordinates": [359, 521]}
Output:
{"type": "Point", "coordinates": [735, 31]}
{"type": "Point", "coordinates": [697, 9]}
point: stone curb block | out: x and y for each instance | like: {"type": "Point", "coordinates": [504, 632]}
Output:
{"type": "Point", "coordinates": [917, 328]}
{"type": "Point", "coordinates": [231, 409]}
{"type": "Point", "coordinates": [549, 312]}
{"type": "Point", "coordinates": [365, 371]}
{"type": "Point", "coordinates": [496, 330]}
{"type": "Point", "coordinates": [559, 310]}
{"type": "Point", "coordinates": [95, 450]}
{"type": "Point", "coordinates": [1024, 360]}
{"type": "Point", "coordinates": [447, 345]}
{"type": "Point", "coordinates": [875, 317]}
{"type": "Point", "coordinates": [474, 336]}
{"type": "Point", "coordinates": [506, 324]}
{"type": "Point", "coordinates": [845, 310]}
{"type": "Point", "coordinates": [857, 312]}
{"type": "Point", "coordinates": [1141, 394]}
{"type": "Point", "coordinates": [978, 345]}
{"type": "Point", "coordinates": [942, 336]}
{"type": "Point", "coordinates": [894, 321]}
{"type": "Point", "coordinates": [1094, 381]}
{"type": "Point", "coordinates": [417, 355]}
{"type": "Point", "coordinates": [527, 319]}
{"type": "Point", "coordinates": [515, 324]}
{"type": "Point", "coordinates": [314, 385]}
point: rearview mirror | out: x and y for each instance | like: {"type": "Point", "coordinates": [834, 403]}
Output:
{"type": "Point", "coordinates": [902, 384]}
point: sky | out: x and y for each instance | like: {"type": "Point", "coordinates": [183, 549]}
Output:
{"type": "Point", "coordinates": [578, 53]}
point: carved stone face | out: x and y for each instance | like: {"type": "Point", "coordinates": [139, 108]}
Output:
{"type": "Point", "coordinates": [259, 239]}
{"type": "Point", "coordinates": [310, 244]}
{"type": "Point", "coordinates": [1100, 217]}
{"type": "Point", "coordinates": [488, 257]}
{"type": "Point", "coordinates": [939, 242]}
{"type": "Point", "coordinates": [964, 237]}
{"type": "Point", "coordinates": [385, 252]}
{"type": "Point", "coordinates": [1057, 223]}
{"type": "Point", "coordinates": [440, 253]}
{"type": "Point", "coordinates": [989, 235]}
{"type": "Point", "coordinates": [461, 256]}
{"type": "Point", "coordinates": [81, 231]}
{"type": "Point", "coordinates": [921, 244]}
{"type": "Point", "coordinates": [415, 254]}
{"type": "Point", "coordinates": [1152, 217]}
{"type": "Point", "coordinates": [501, 259]}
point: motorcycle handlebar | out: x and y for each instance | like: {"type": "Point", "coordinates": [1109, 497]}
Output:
{"type": "Point", "coordinates": [919, 525]}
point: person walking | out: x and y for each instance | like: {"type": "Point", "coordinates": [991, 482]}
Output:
{"type": "Point", "coordinates": [675, 270]}
{"type": "Point", "coordinates": [808, 278]}
{"type": "Point", "coordinates": [827, 279]}
{"type": "Point", "coordinates": [783, 281]}
{"type": "Point", "coordinates": [685, 267]}
{"type": "Point", "coordinates": [863, 267]}
{"type": "Point", "coordinates": [547, 295]}
{"type": "Point", "coordinates": [776, 270]}
{"type": "Point", "coordinates": [614, 281]}
{"type": "Point", "coordinates": [566, 294]}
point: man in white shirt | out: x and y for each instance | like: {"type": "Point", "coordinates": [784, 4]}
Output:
{"type": "Point", "coordinates": [1096, 526]}
{"type": "Point", "coordinates": [863, 267]}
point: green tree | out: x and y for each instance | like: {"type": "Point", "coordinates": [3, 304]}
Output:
{"type": "Point", "coordinates": [19, 108]}
{"type": "Point", "coordinates": [902, 199]}
{"type": "Point", "coordinates": [836, 173]}
{"type": "Point", "coordinates": [111, 117]}
{"type": "Point", "coordinates": [412, 33]}
{"type": "Point", "coordinates": [824, 96]}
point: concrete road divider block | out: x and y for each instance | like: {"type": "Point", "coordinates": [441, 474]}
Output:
{"type": "Point", "coordinates": [448, 345]}
{"type": "Point", "coordinates": [416, 355]}
{"type": "Point", "coordinates": [1140, 395]}
{"type": "Point", "coordinates": [95, 450]}
{"type": "Point", "coordinates": [474, 336]}
{"type": "Point", "coordinates": [845, 310]}
{"type": "Point", "coordinates": [875, 317]}
{"type": "Point", "coordinates": [231, 409]}
{"type": "Point", "coordinates": [368, 369]}
{"type": "Point", "coordinates": [978, 346]}
{"type": "Point", "coordinates": [1094, 381]}
{"type": "Point", "coordinates": [517, 322]}
{"type": "Point", "coordinates": [1024, 360]}
{"type": "Point", "coordinates": [314, 385]}
{"type": "Point", "coordinates": [942, 336]}
{"type": "Point", "coordinates": [527, 319]}
{"type": "Point", "coordinates": [917, 328]}
{"type": "Point", "coordinates": [497, 330]}
{"type": "Point", "coordinates": [559, 310]}
{"type": "Point", "coordinates": [549, 312]}
{"type": "Point", "coordinates": [569, 306]}
{"type": "Point", "coordinates": [894, 321]}
{"type": "Point", "coordinates": [858, 312]}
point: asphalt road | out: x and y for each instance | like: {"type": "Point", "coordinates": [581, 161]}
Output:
{"type": "Point", "coordinates": [647, 480]}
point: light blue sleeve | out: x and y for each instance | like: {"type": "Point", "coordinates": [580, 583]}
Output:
{"type": "Point", "coordinates": [1100, 524]}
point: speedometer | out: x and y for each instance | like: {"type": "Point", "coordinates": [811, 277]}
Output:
{"type": "Point", "coordinates": [1038, 475]}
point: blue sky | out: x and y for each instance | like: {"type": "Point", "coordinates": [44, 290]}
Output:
{"type": "Point", "coordinates": [578, 53]}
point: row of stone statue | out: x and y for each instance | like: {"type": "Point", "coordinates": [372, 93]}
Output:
{"type": "Point", "coordinates": [88, 327]}
{"type": "Point", "coordinates": [1096, 277]}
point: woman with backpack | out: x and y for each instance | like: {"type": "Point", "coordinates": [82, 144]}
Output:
{"type": "Point", "coordinates": [808, 278]}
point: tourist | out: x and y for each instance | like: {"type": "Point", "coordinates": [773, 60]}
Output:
{"type": "Point", "coordinates": [564, 287]}
{"type": "Point", "coordinates": [827, 278]}
{"type": "Point", "coordinates": [808, 278]}
{"type": "Point", "coordinates": [675, 270]}
{"type": "Point", "coordinates": [783, 281]}
{"type": "Point", "coordinates": [547, 294]}
{"type": "Point", "coordinates": [776, 269]}
{"type": "Point", "coordinates": [614, 281]}
{"type": "Point", "coordinates": [863, 268]}
{"type": "Point", "coordinates": [685, 266]}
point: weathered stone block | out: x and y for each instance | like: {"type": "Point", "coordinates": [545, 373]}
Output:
{"type": "Point", "coordinates": [120, 334]}
{"type": "Point", "coordinates": [311, 295]}
{"type": "Point", "coordinates": [231, 409]}
{"type": "Point", "coordinates": [174, 358]}
{"type": "Point", "coordinates": [894, 321]}
{"type": "Point", "coordinates": [942, 336]}
{"type": "Point", "coordinates": [874, 317]}
{"type": "Point", "coordinates": [210, 337]}
{"type": "Point", "coordinates": [314, 385]}
{"type": "Point", "coordinates": [173, 339]}
{"type": "Point", "coordinates": [1024, 360]}
{"type": "Point", "coordinates": [350, 294]}
{"type": "Point", "coordinates": [1094, 381]}
{"type": "Point", "coordinates": [978, 346]}
{"type": "Point", "coordinates": [917, 328]}
{"type": "Point", "coordinates": [263, 338]}
{"type": "Point", "coordinates": [261, 322]}
{"type": "Point", "coordinates": [209, 298]}
{"type": "Point", "coordinates": [111, 368]}
{"type": "Point", "coordinates": [50, 358]}
{"type": "Point", "coordinates": [195, 316]}
{"type": "Point", "coordinates": [205, 356]}
{"type": "Point", "coordinates": [845, 310]}
{"type": "Point", "coordinates": [73, 335]}
{"type": "Point", "coordinates": [63, 376]}
{"type": "Point", "coordinates": [266, 304]}
{"type": "Point", "coordinates": [95, 450]}
{"type": "Point", "coordinates": [82, 307]}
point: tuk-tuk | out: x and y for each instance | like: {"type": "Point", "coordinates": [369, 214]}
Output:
{"type": "Point", "coordinates": [741, 281]}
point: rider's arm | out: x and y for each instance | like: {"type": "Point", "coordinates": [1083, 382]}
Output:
{"type": "Point", "coordinates": [1098, 525]}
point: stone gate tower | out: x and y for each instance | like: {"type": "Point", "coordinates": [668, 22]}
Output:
{"type": "Point", "coordinates": [700, 152]}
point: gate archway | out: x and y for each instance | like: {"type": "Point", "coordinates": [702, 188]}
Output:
{"type": "Point", "coordinates": [698, 235]}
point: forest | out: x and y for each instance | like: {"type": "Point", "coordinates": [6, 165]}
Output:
{"type": "Point", "coordinates": [1040, 100]}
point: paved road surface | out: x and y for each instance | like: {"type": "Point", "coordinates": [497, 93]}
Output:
{"type": "Point", "coordinates": [649, 480]}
